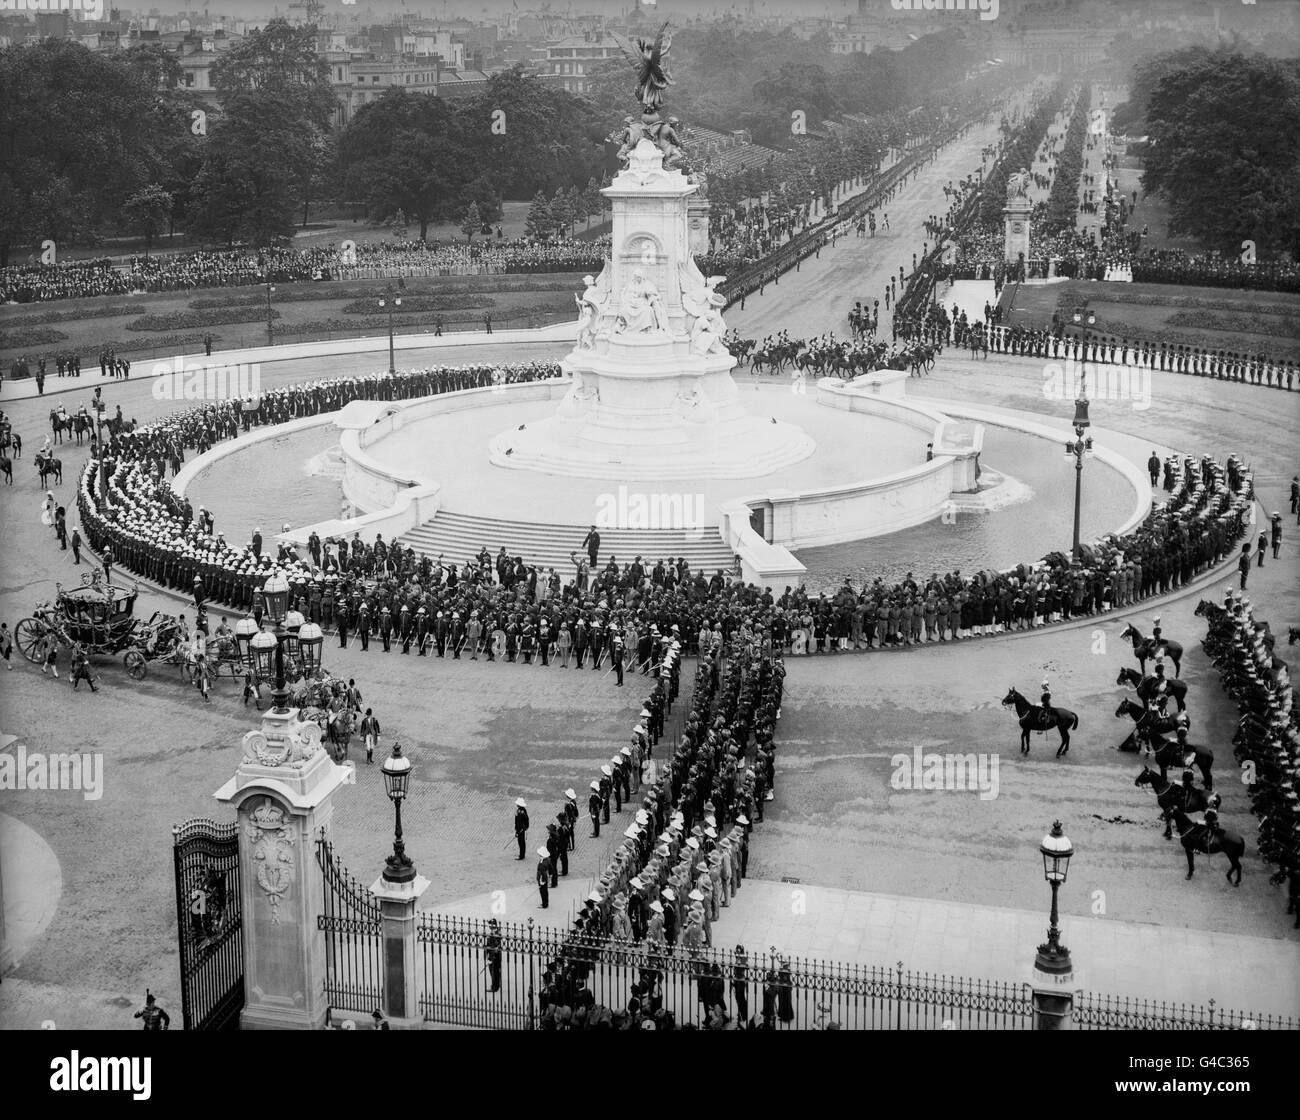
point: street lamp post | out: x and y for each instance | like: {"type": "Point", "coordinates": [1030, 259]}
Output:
{"type": "Point", "coordinates": [1053, 968]}
{"type": "Point", "coordinates": [304, 641]}
{"type": "Point", "coordinates": [398, 868]}
{"type": "Point", "coordinates": [101, 451]}
{"type": "Point", "coordinates": [391, 301]}
{"type": "Point", "coordinates": [1080, 447]}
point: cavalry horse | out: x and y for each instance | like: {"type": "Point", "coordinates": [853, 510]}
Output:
{"type": "Point", "coordinates": [47, 465]}
{"type": "Point", "coordinates": [1148, 648]}
{"type": "Point", "coordinates": [1196, 837]}
{"type": "Point", "coordinates": [1030, 718]}
{"type": "Point", "coordinates": [1150, 725]}
{"type": "Point", "coordinates": [1172, 795]}
{"type": "Point", "coordinates": [1146, 687]}
{"type": "Point", "coordinates": [59, 424]}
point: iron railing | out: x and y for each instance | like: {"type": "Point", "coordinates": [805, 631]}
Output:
{"type": "Point", "coordinates": [353, 928]}
{"type": "Point", "coordinates": [521, 976]}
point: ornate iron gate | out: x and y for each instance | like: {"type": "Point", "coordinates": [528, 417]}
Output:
{"type": "Point", "coordinates": [353, 926]}
{"type": "Point", "coordinates": [209, 924]}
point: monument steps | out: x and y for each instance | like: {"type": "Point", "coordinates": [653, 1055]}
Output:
{"type": "Point", "coordinates": [460, 535]}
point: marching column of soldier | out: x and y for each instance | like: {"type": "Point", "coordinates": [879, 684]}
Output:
{"type": "Point", "coordinates": [683, 855]}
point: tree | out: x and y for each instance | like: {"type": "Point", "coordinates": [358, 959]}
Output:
{"type": "Point", "coordinates": [260, 157]}
{"type": "Point", "coordinates": [561, 214]}
{"type": "Point", "coordinates": [277, 57]}
{"type": "Point", "coordinates": [403, 152]}
{"type": "Point", "coordinates": [1224, 150]}
{"type": "Point", "coordinates": [148, 211]}
{"type": "Point", "coordinates": [576, 207]}
{"type": "Point", "coordinates": [539, 221]}
{"type": "Point", "coordinates": [472, 222]}
{"type": "Point", "coordinates": [80, 132]}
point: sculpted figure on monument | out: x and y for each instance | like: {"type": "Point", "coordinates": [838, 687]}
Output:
{"type": "Point", "coordinates": [707, 332]}
{"type": "Point", "coordinates": [633, 133]}
{"type": "Point", "coordinates": [647, 59]}
{"type": "Point", "coordinates": [592, 306]}
{"type": "Point", "coordinates": [664, 134]}
{"type": "Point", "coordinates": [1018, 185]}
{"type": "Point", "coordinates": [640, 309]}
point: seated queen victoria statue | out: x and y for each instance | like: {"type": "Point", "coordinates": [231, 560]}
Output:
{"type": "Point", "coordinates": [639, 307]}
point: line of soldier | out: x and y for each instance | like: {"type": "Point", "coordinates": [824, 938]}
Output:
{"type": "Point", "coordinates": [619, 779]}
{"type": "Point", "coordinates": [687, 849]}
{"type": "Point", "coordinates": [1226, 365]}
{"type": "Point", "coordinates": [1268, 736]}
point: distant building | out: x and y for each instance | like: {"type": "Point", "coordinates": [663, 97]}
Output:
{"type": "Point", "coordinates": [572, 60]}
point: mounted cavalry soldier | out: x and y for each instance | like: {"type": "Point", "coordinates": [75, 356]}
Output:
{"type": "Point", "coordinates": [1045, 716]}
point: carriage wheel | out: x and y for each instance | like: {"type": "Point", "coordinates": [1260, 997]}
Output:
{"type": "Point", "coordinates": [135, 664]}
{"type": "Point", "coordinates": [28, 633]}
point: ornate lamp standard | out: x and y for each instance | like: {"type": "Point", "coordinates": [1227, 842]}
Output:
{"type": "Point", "coordinates": [397, 777]}
{"type": "Point", "coordinates": [1080, 447]}
{"type": "Point", "coordinates": [267, 645]}
{"type": "Point", "coordinates": [391, 301]}
{"type": "Point", "coordinates": [1053, 970]}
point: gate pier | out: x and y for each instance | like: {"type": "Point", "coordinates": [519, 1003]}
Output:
{"type": "Point", "coordinates": [282, 793]}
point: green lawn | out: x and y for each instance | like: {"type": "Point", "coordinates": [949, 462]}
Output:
{"type": "Point", "coordinates": [321, 310]}
{"type": "Point", "coordinates": [1214, 318]}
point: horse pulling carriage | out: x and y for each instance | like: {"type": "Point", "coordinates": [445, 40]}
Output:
{"type": "Point", "coordinates": [98, 615]}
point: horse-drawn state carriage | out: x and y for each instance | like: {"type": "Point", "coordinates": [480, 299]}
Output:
{"type": "Point", "coordinates": [98, 615]}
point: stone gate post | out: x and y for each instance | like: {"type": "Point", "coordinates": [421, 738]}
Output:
{"type": "Point", "coordinates": [282, 795]}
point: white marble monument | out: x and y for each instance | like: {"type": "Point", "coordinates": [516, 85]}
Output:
{"type": "Point", "coordinates": [652, 394]}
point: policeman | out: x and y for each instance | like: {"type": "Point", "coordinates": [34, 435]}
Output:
{"type": "Point", "coordinates": [457, 635]}
{"type": "Point", "coordinates": [385, 626]}
{"type": "Point", "coordinates": [422, 636]}
{"type": "Point", "coordinates": [521, 823]}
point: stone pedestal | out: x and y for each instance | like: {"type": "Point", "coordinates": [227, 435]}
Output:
{"type": "Point", "coordinates": [282, 794]}
{"type": "Point", "coordinates": [652, 394]}
{"type": "Point", "coordinates": [1054, 983]}
{"type": "Point", "coordinates": [698, 221]}
{"type": "Point", "coordinates": [397, 903]}
{"type": "Point", "coordinates": [1015, 217]}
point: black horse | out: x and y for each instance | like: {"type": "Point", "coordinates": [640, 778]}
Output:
{"type": "Point", "coordinates": [47, 465]}
{"type": "Point", "coordinates": [1146, 648]}
{"type": "Point", "coordinates": [1172, 795]}
{"type": "Point", "coordinates": [1030, 718]}
{"type": "Point", "coordinates": [1149, 724]}
{"type": "Point", "coordinates": [1170, 752]}
{"type": "Point", "coordinates": [1198, 838]}
{"type": "Point", "coordinates": [1146, 687]}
